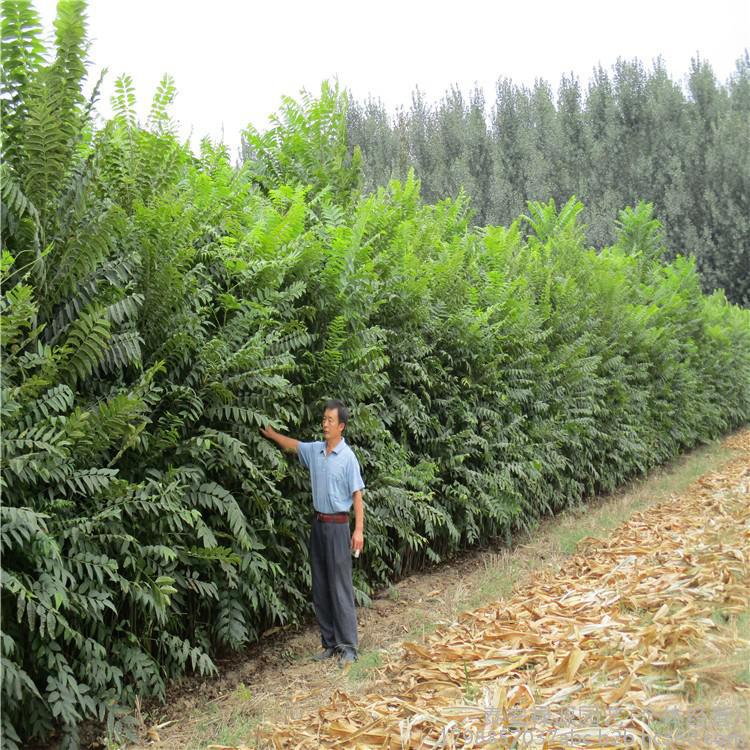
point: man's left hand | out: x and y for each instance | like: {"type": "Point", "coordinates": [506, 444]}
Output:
{"type": "Point", "coordinates": [358, 541]}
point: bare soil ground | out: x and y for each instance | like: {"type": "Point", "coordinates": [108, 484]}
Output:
{"type": "Point", "coordinates": [278, 682]}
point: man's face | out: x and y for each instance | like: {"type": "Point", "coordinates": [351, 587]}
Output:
{"type": "Point", "coordinates": [332, 428]}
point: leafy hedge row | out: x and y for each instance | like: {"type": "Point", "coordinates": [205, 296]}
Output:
{"type": "Point", "coordinates": [158, 307]}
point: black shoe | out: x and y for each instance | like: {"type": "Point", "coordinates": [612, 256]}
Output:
{"type": "Point", "coordinates": [348, 656]}
{"type": "Point", "coordinates": [327, 653]}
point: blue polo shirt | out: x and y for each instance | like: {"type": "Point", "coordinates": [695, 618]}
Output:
{"type": "Point", "coordinates": [335, 477]}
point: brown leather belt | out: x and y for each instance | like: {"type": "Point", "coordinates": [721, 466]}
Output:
{"type": "Point", "coordinates": [332, 517]}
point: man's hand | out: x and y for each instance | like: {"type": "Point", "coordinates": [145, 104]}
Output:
{"type": "Point", "coordinates": [284, 442]}
{"type": "Point", "coordinates": [358, 541]}
{"type": "Point", "coordinates": [268, 432]}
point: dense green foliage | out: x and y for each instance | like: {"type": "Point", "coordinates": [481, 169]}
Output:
{"type": "Point", "coordinates": [158, 307]}
{"type": "Point", "coordinates": [634, 135]}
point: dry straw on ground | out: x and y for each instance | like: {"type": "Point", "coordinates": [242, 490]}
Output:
{"type": "Point", "coordinates": [610, 652]}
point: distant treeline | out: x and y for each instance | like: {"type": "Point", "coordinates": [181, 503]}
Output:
{"type": "Point", "coordinates": [633, 134]}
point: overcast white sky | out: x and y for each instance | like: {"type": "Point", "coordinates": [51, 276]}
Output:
{"type": "Point", "coordinates": [233, 60]}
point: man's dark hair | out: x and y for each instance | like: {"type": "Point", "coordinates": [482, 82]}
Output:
{"type": "Point", "coordinates": [341, 410]}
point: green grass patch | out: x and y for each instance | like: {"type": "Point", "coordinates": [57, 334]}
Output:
{"type": "Point", "coordinates": [234, 729]}
{"type": "Point", "coordinates": [422, 626]}
{"type": "Point", "coordinates": [567, 539]}
{"type": "Point", "coordinates": [496, 581]}
{"type": "Point", "coordinates": [366, 665]}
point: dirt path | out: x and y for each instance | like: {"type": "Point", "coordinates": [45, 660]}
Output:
{"type": "Point", "coordinates": [640, 632]}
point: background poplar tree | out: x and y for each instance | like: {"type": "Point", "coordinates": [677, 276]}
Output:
{"type": "Point", "coordinates": [634, 135]}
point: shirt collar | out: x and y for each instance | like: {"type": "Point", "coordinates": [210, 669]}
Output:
{"type": "Point", "coordinates": [338, 447]}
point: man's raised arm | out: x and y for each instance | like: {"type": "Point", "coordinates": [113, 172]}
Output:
{"type": "Point", "coordinates": [285, 443]}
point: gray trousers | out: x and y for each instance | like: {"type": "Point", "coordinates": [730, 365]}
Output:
{"type": "Point", "coordinates": [332, 590]}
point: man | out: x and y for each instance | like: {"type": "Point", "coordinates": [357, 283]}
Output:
{"type": "Point", "coordinates": [336, 486]}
